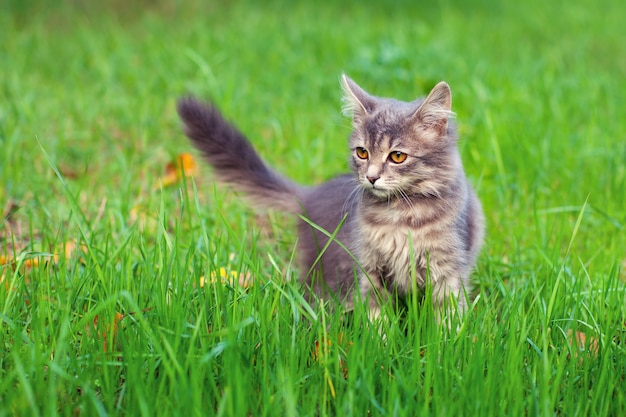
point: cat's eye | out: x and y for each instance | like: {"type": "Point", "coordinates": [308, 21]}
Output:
{"type": "Point", "coordinates": [397, 157]}
{"type": "Point", "coordinates": [362, 153]}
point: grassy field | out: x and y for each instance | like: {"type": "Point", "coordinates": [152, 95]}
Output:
{"type": "Point", "coordinates": [126, 290]}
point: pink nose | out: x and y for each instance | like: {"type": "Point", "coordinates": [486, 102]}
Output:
{"type": "Point", "coordinates": [373, 179]}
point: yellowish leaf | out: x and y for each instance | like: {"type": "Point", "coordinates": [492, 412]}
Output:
{"type": "Point", "coordinates": [183, 167]}
{"type": "Point", "coordinates": [320, 352]}
{"type": "Point", "coordinates": [69, 249]}
{"type": "Point", "coordinates": [582, 344]}
{"type": "Point", "coordinates": [108, 335]}
{"type": "Point", "coordinates": [144, 220]}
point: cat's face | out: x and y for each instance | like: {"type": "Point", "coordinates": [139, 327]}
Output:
{"type": "Point", "coordinates": [400, 148]}
{"type": "Point", "coordinates": [384, 155]}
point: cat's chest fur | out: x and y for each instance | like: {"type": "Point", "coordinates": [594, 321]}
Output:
{"type": "Point", "coordinates": [404, 243]}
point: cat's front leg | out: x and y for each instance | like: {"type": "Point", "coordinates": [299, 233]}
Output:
{"type": "Point", "coordinates": [373, 292]}
{"type": "Point", "coordinates": [449, 299]}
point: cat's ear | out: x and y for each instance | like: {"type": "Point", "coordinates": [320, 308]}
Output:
{"type": "Point", "coordinates": [435, 110]}
{"type": "Point", "coordinates": [356, 101]}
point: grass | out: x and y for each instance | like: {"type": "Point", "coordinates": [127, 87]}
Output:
{"type": "Point", "coordinates": [129, 321]}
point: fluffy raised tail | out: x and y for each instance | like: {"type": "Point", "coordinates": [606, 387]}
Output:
{"type": "Point", "coordinates": [234, 160]}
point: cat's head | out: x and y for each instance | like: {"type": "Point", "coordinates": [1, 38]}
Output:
{"type": "Point", "coordinates": [401, 148]}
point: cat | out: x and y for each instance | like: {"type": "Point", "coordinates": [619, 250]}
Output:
{"type": "Point", "coordinates": [405, 218]}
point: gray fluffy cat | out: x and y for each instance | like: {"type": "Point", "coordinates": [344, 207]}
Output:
{"type": "Point", "coordinates": [407, 215]}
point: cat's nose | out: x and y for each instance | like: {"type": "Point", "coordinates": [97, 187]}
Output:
{"type": "Point", "coordinates": [373, 178]}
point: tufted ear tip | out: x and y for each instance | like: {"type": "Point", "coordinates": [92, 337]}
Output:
{"type": "Point", "coordinates": [441, 96]}
{"type": "Point", "coordinates": [436, 109]}
{"type": "Point", "coordinates": [356, 101]}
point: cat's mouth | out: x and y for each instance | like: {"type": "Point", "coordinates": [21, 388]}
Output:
{"type": "Point", "coordinates": [377, 191]}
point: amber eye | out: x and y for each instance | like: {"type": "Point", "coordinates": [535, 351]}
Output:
{"type": "Point", "coordinates": [397, 157]}
{"type": "Point", "coordinates": [362, 153]}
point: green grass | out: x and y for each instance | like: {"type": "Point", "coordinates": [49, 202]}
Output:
{"type": "Point", "coordinates": [88, 123]}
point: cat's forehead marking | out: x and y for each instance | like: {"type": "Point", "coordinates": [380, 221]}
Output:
{"type": "Point", "coordinates": [384, 123]}
{"type": "Point", "coordinates": [382, 144]}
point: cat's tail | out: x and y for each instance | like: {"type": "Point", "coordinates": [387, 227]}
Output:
{"type": "Point", "coordinates": [234, 160]}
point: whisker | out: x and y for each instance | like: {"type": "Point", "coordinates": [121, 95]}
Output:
{"type": "Point", "coordinates": [351, 200]}
{"type": "Point", "coordinates": [408, 201]}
